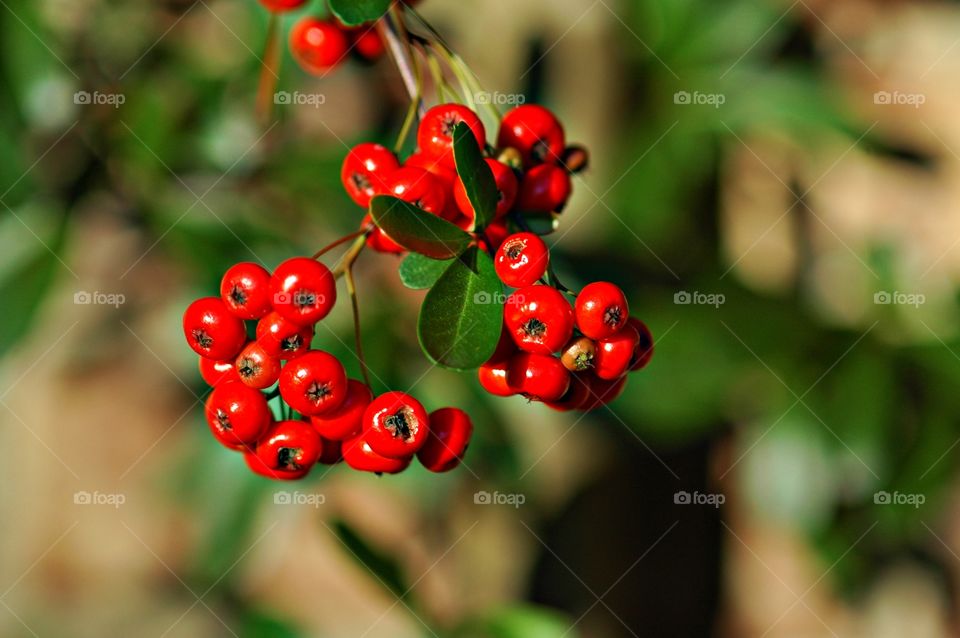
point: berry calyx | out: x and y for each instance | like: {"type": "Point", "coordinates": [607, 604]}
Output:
{"type": "Point", "coordinates": [395, 425]}
{"type": "Point", "coordinates": [212, 330]}
{"type": "Point", "coordinates": [289, 447]}
{"type": "Point", "coordinates": [538, 377]}
{"type": "Point", "coordinates": [318, 45]}
{"type": "Point", "coordinates": [615, 353]}
{"type": "Point", "coordinates": [358, 454]}
{"type": "Point", "coordinates": [245, 289]}
{"type": "Point", "coordinates": [256, 368]}
{"type": "Point", "coordinates": [313, 383]}
{"type": "Point", "coordinates": [346, 420]}
{"type": "Point", "coordinates": [364, 170]}
{"type": "Point", "coordinates": [544, 189]}
{"type": "Point", "coordinates": [450, 432]}
{"type": "Point", "coordinates": [579, 354]}
{"type": "Point", "coordinates": [521, 260]}
{"type": "Point", "coordinates": [237, 415]}
{"type": "Point", "coordinates": [506, 182]}
{"type": "Point", "coordinates": [601, 310]}
{"type": "Point", "coordinates": [535, 132]}
{"type": "Point", "coordinates": [539, 319]}
{"type": "Point", "coordinates": [435, 135]}
{"type": "Point", "coordinates": [303, 290]}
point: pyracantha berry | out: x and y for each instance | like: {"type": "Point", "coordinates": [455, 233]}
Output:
{"type": "Point", "coordinates": [419, 187]}
{"type": "Point", "coordinates": [601, 309]}
{"type": "Point", "coordinates": [539, 319]}
{"type": "Point", "coordinates": [435, 135]}
{"type": "Point", "coordinates": [540, 377]}
{"type": "Point", "coordinates": [303, 290]}
{"type": "Point", "coordinates": [212, 330]}
{"type": "Point", "coordinates": [507, 186]}
{"type": "Point", "coordinates": [545, 188]}
{"type": "Point", "coordinates": [292, 447]}
{"type": "Point", "coordinates": [313, 383]}
{"type": "Point", "coordinates": [576, 397]}
{"type": "Point", "coordinates": [534, 131]}
{"type": "Point", "coordinates": [364, 171]}
{"type": "Point", "coordinates": [217, 372]}
{"type": "Point", "coordinates": [358, 454]}
{"type": "Point", "coordinates": [245, 289]}
{"type": "Point", "coordinates": [237, 415]}
{"type": "Point", "coordinates": [318, 45]}
{"type": "Point", "coordinates": [450, 432]}
{"type": "Point", "coordinates": [615, 353]}
{"type": "Point", "coordinates": [346, 420]}
{"type": "Point", "coordinates": [256, 368]}
{"type": "Point", "coordinates": [283, 339]}
{"type": "Point", "coordinates": [521, 260]}
{"type": "Point", "coordinates": [395, 425]}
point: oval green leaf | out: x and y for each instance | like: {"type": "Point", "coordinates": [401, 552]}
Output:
{"type": "Point", "coordinates": [419, 272]}
{"type": "Point", "coordinates": [462, 315]}
{"type": "Point", "coordinates": [478, 181]}
{"type": "Point", "coordinates": [355, 12]}
{"type": "Point", "coordinates": [416, 229]}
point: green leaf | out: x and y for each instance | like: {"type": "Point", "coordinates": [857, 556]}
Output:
{"type": "Point", "coordinates": [416, 229]}
{"type": "Point", "coordinates": [419, 272]}
{"type": "Point", "coordinates": [355, 12]}
{"type": "Point", "coordinates": [382, 564]}
{"type": "Point", "coordinates": [462, 315]}
{"type": "Point", "coordinates": [476, 176]}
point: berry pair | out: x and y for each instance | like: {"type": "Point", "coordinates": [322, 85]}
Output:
{"type": "Point", "coordinates": [320, 45]}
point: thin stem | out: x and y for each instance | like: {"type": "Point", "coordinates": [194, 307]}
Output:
{"type": "Point", "coordinates": [351, 255]}
{"type": "Point", "coordinates": [355, 305]}
{"type": "Point", "coordinates": [269, 71]}
{"type": "Point", "coordinates": [320, 253]}
{"type": "Point", "coordinates": [389, 26]}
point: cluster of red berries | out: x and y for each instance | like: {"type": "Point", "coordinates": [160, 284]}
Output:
{"type": "Point", "coordinates": [531, 167]}
{"type": "Point", "coordinates": [598, 341]}
{"type": "Point", "coordinates": [338, 418]}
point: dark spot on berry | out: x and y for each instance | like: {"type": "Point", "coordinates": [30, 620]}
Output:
{"type": "Point", "coordinates": [613, 315]}
{"type": "Point", "coordinates": [540, 151]}
{"type": "Point", "coordinates": [448, 124]}
{"type": "Point", "coordinates": [534, 329]}
{"type": "Point", "coordinates": [291, 344]}
{"type": "Point", "coordinates": [287, 458]}
{"type": "Point", "coordinates": [361, 181]}
{"type": "Point", "coordinates": [223, 420]}
{"type": "Point", "coordinates": [203, 339]}
{"type": "Point", "coordinates": [514, 249]}
{"type": "Point", "coordinates": [247, 367]}
{"type": "Point", "coordinates": [583, 361]}
{"type": "Point", "coordinates": [317, 392]}
{"type": "Point", "coordinates": [402, 424]}
{"type": "Point", "coordinates": [238, 296]}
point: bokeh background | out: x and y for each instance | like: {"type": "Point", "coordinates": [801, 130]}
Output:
{"type": "Point", "coordinates": [776, 183]}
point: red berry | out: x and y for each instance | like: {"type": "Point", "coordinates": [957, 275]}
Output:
{"type": "Point", "coordinates": [602, 391]}
{"type": "Point", "coordinates": [331, 452]}
{"type": "Point", "coordinates": [245, 289]}
{"type": "Point", "coordinates": [346, 420]}
{"type": "Point", "coordinates": [419, 187]}
{"type": "Point", "coordinates": [256, 368]}
{"type": "Point", "coordinates": [303, 290]}
{"type": "Point", "coordinates": [257, 466]}
{"type": "Point", "coordinates": [313, 383]}
{"type": "Point", "coordinates": [217, 372]}
{"type": "Point", "coordinates": [279, 6]}
{"type": "Point", "coordinates": [364, 169]}
{"type": "Point", "coordinates": [601, 310]}
{"type": "Point", "coordinates": [450, 432]}
{"type": "Point", "coordinates": [545, 188]}
{"type": "Point", "coordinates": [360, 456]}
{"type": "Point", "coordinates": [539, 319]}
{"type": "Point", "coordinates": [290, 446]}
{"type": "Point", "coordinates": [435, 135]}
{"type": "Point", "coordinates": [318, 45]}
{"type": "Point", "coordinates": [614, 354]}
{"type": "Point", "coordinates": [283, 339]}
{"type": "Point", "coordinates": [534, 131]}
{"type": "Point", "coordinates": [644, 351]}
{"type": "Point", "coordinates": [367, 42]}
{"type": "Point", "coordinates": [540, 377]}
{"type": "Point", "coordinates": [521, 260]}
{"type": "Point", "coordinates": [577, 396]}
{"type": "Point", "coordinates": [421, 160]}
{"type": "Point", "coordinates": [237, 415]}
{"type": "Point", "coordinates": [507, 186]}
{"type": "Point", "coordinates": [212, 330]}
{"type": "Point", "coordinates": [496, 233]}
{"type": "Point", "coordinates": [395, 425]}
{"type": "Point", "coordinates": [493, 373]}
